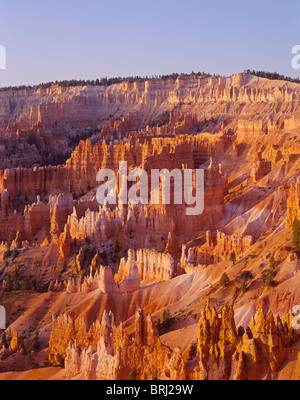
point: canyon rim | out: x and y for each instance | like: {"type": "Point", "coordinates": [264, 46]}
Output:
{"type": "Point", "coordinates": [149, 225]}
{"type": "Point", "coordinates": [104, 291]}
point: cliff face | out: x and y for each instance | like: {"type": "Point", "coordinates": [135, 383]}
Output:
{"type": "Point", "coordinates": [49, 217]}
{"type": "Point", "coordinates": [37, 123]}
{"type": "Point", "coordinates": [144, 146]}
{"type": "Point", "coordinates": [228, 353]}
{"type": "Point", "coordinates": [152, 266]}
{"type": "Point", "coordinates": [293, 204]}
{"type": "Point", "coordinates": [63, 330]}
{"type": "Point", "coordinates": [63, 252]}
{"type": "Point", "coordinates": [22, 183]}
{"type": "Point", "coordinates": [169, 153]}
{"type": "Point", "coordinates": [104, 281]}
{"type": "Point", "coordinates": [90, 105]}
{"type": "Point", "coordinates": [106, 352]}
{"type": "Point", "coordinates": [217, 247]}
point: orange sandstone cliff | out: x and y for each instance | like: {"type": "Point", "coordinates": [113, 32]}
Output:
{"type": "Point", "coordinates": [94, 291]}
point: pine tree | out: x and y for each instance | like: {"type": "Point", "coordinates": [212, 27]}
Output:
{"type": "Point", "coordinates": [244, 286]}
{"type": "Point", "coordinates": [133, 376]}
{"type": "Point", "coordinates": [232, 257]}
{"type": "Point", "coordinates": [25, 284]}
{"type": "Point", "coordinates": [15, 253]}
{"type": "Point", "coordinates": [4, 341]}
{"type": "Point", "coordinates": [116, 244]}
{"type": "Point", "coordinates": [272, 262]}
{"type": "Point", "coordinates": [166, 315]}
{"type": "Point", "coordinates": [16, 285]}
{"type": "Point", "coordinates": [224, 280]}
{"type": "Point", "coordinates": [296, 233]}
{"type": "Point", "coordinates": [193, 351]}
{"type": "Point", "coordinates": [65, 266]}
{"type": "Point", "coordinates": [8, 286]}
{"type": "Point", "coordinates": [268, 277]}
{"type": "Point", "coordinates": [36, 342]}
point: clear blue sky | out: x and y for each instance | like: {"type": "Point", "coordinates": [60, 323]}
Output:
{"type": "Point", "coordinates": [65, 39]}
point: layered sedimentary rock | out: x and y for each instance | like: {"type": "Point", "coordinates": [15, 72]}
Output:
{"type": "Point", "coordinates": [261, 169]}
{"type": "Point", "coordinates": [14, 344]}
{"type": "Point", "coordinates": [157, 220]}
{"type": "Point", "coordinates": [293, 203]}
{"type": "Point", "coordinates": [65, 242]}
{"type": "Point", "coordinates": [50, 216]}
{"type": "Point", "coordinates": [26, 183]}
{"type": "Point", "coordinates": [44, 107]}
{"type": "Point", "coordinates": [243, 131]}
{"type": "Point", "coordinates": [60, 207]}
{"type": "Point", "coordinates": [106, 352]}
{"type": "Point", "coordinates": [195, 256]}
{"type": "Point", "coordinates": [100, 225]}
{"type": "Point", "coordinates": [246, 128]}
{"type": "Point", "coordinates": [25, 224]}
{"type": "Point", "coordinates": [228, 353]}
{"type": "Point", "coordinates": [5, 202]}
{"type": "Point", "coordinates": [104, 281]}
{"type": "Point", "coordinates": [172, 246]}
{"type": "Point", "coordinates": [94, 225]}
{"type": "Point", "coordinates": [228, 243]}
{"type": "Point", "coordinates": [22, 185]}
{"type": "Point", "coordinates": [41, 125]}
{"type": "Point", "coordinates": [63, 331]}
{"type": "Point", "coordinates": [170, 153]}
{"type": "Point", "coordinates": [217, 247]}
{"type": "Point", "coordinates": [162, 219]}
{"type": "Point", "coordinates": [152, 266]}
{"type": "Point", "coordinates": [116, 356]}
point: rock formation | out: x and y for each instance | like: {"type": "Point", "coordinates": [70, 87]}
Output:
{"type": "Point", "coordinates": [113, 356]}
{"type": "Point", "coordinates": [14, 344]}
{"type": "Point", "coordinates": [228, 353]}
{"type": "Point", "coordinates": [152, 266]}
{"type": "Point", "coordinates": [63, 331]}
{"type": "Point", "coordinates": [106, 352]}
{"type": "Point", "coordinates": [293, 203]}
{"type": "Point", "coordinates": [61, 251]}
{"type": "Point", "coordinates": [104, 281]}
{"type": "Point", "coordinates": [217, 247]}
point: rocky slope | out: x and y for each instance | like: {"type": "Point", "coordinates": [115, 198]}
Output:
{"type": "Point", "coordinates": [93, 287]}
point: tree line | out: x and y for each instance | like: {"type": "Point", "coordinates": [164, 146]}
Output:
{"type": "Point", "coordinates": [112, 81]}
{"type": "Point", "coordinates": [272, 76]}
{"type": "Point", "coordinates": [103, 81]}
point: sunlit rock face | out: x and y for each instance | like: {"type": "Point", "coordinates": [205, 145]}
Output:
{"type": "Point", "coordinates": [100, 289]}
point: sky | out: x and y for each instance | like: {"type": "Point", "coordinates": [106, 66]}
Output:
{"type": "Point", "coordinates": [74, 39]}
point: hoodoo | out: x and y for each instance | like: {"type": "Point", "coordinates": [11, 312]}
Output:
{"type": "Point", "coordinates": [118, 261]}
